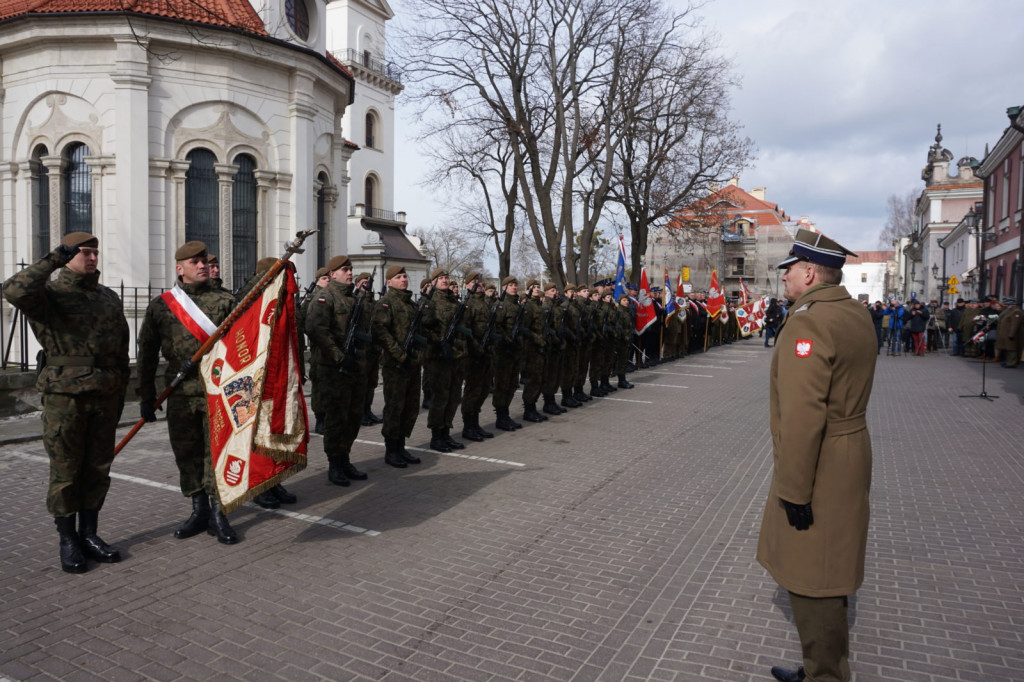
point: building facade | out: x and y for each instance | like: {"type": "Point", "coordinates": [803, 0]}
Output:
{"type": "Point", "coordinates": [866, 275]}
{"type": "Point", "coordinates": [1003, 172]}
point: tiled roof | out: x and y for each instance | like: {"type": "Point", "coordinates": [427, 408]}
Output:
{"type": "Point", "coordinates": [870, 257]}
{"type": "Point", "coordinates": [237, 14]}
{"type": "Point", "coordinates": [738, 200]}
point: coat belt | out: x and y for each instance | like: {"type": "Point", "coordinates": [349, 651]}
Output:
{"type": "Point", "coordinates": [80, 361]}
{"type": "Point", "coordinates": [846, 425]}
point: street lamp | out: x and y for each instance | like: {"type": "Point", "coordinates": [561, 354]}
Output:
{"type": "Point", "coordinates": [939, 281]}
{"type": "Point", "coordinates": [976, 222]}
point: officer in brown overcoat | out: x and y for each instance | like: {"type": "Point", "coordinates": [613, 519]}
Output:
{"type": "Point", "coordinates": [814, 531]}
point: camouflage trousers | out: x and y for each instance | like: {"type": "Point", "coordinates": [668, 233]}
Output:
{"type": "Point", "coordinates": [188, 423]}
{"type": "Point", "coordinates": [622, 356]}
{"type": "Point", "coordinates": [316, 401]}
{"type": "Point", "coordinates": [506, 378]}
{"type": "Point", "coordinates": [478, 385]}
{"type": "Point", "coordinates": [372, 375]}
{"type": "Point", "coordinates": [401, 399]}
{"type": "Point", "coordinates": [570, 366]}
{"type": "Point", "coordinates": [533, 369]}
{"type": "Point", "coordinates": [552, 375]}
{"type": "Point", "coordinates": [582, 364]}
{"type": "Point", "coordinates": [598, 358]}
{"type": "Point", "coordinates": [78, 434]}
{"type": "Point", "coordinates": [343, 395]}
{"type": "Point", "coordinates": [445, 391]}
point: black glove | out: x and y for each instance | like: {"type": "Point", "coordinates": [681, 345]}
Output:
{"type": "Point", "coordinates": [189, 368]}
{"type": "Point", "coordinates": [146, 410]}
{"type": "Point", "coordinates": [66, 253]}
{"type": "Point", "coordinates": [800, 516]}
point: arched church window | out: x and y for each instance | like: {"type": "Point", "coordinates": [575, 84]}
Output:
{"type": "Point", "coordinates": [321, 221]}
{"type": "Point", "coordinates": [202, 205]}
{"type": "Point", "coordinates": [371, 129]}
{"type": "Point", "coordinates": [370, 194]}
{"type": "Point", "coordinates": [298, 17]}
{"type": "Point", "coordinates": [243, 219]}
{"type": "Point", "coordinates": [41, 204]}
{"type": "Point", "coordinates": [77, 190]}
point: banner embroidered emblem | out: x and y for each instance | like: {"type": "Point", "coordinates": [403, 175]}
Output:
{"type": "Point", "coordinates": [233, 470]}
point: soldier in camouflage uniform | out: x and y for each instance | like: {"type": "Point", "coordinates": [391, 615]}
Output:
{"type": "Point", "coordinates": [582, 302]}
{"type": "Point", "coordinates": [343, 377]}
{"type": "Point", "coordinates": [478, 362]}
{"type": "Point", "coordinates": [554, 335]}
{"type": "Point", "coordinates": [316, 400]}
{"type": "Point", "coordinates": [506, 356]}
{"type": "Point", "coordinates": [391, 321]}
{"type": "Point", "coordinates": [624, 338]}
{"type": "Point", "coordinates": [187, 414]}
{"type": "Point", "coordinates": [80, 325]}
{"type": "Point", "coordinates": [534, 346]}
{"type": "Point", "coordinates": [372, 351]}
{"type": "Point", "coordinates": [609, 328]}
{"type": "Point", "coordinates": [446, 362]}
{"type": "Point", "coordinates": [213, 263]}
{"type": "Point", "coordinates": [597, 342]}
{"type": "Point", "coordinates": [570, 354]}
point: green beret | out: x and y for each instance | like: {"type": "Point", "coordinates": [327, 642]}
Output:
{"type": "Point", "coordinates": [337, 262]}
{"type": "Point", "coordinates": [190, 250]}
{"type": "Point", "coordinates": [394, 271]}
{"type": "Point", "coordinates": [80, 239]}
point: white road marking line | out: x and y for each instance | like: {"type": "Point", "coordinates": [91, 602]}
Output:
{"type": "Point", "coordinates": [682, 374]}
{"type": "Point", "coordinates": [626, 400]}
{"type": "Point", "coordinates": [309, 518]}
{"type": "Point", "coordinates": [666, 385]}
{"type": "Point", "coordinates": [450, 454]}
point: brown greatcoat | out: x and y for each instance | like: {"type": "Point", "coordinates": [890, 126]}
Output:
{"type": "Point", "coordinates": [1008, 335]}
{"type": "Point", "coordinates": [821, 376]}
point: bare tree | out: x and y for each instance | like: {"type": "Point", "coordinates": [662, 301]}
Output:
{"type": "Point", "coordinates": [901, 219]}
{"type": "Point", "coordinates": [548, 76]}
{"type": "Point", "coordinates": [452, 248]}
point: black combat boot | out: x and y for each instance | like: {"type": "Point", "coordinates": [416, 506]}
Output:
{"type": "Point", "coordinates": [350, 470]}
{"type": "Point", "coordinates": [596, 391]}
{"type": "Point", "coordinates": [438, 442]}
{"type": "Point", "coordinates": [374, 419]}
{"type": "Point", "coordinates": [72, 558]}
{"type": "Point", "coordinates": [504, 422]}
{"type": "Point", "coordinates": [786, 675]}
{"type": "Point", "coordinates": [551, 407]}
{"type": "Point", "coordinates": [282, 495]}
{"type": "Point", "coordinates": [393, 453]}
{"type": "Point", "coordinates": [569, 401]}
{"type": "Point", "coordinates": [95, 548]}
{"type": "Point", "coordinates": [606, 385]}
{"type": "Point", "coordinates": [469, 428]}
{"type": "Point", "coordinates": [480, 431]}
{"type": "Point", "coordinates": [267, 500]}
{"type": "Point", "coordinates": [219, 525]}
{"type": "Point", "coordinates": [366, 419]}
{"type": "Point", "coordinates": [198, 521]}
{"type": "Point", "coordinates": [405, 454]}
{"type": "Point", "coordinates": [623, 383]}
{"type": "Point", "coordinates": [530, 414]}
{"type": "Point", "coordinates": [335, 473]}
{"type": "Point", "coordinates": [582, 396]}
{"type": "Point", "coordinates": [318, 426]}
{"type": "Point", "coordinates": [452, 443]}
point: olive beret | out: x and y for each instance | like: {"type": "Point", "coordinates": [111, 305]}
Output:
{"type": "Point", "coordinates": [337, 262]}
{"type": "Point", "coordinates": [569, 287]}
{"type": "Point", "coordinates": [80, 239]}
{"type": "Point", "coordinates": [394, 271]}
{"type": "Point", "coordinates": [551, 285]}
{"type": "Point", "coordinates": [423, 283]}
{"type": "Point", "coordinates": [190, 250]}
{"type": "Point", "coordinates": [212, 260]}
{"type": "Point", "coordinates": [531, 284]}
{"type": "Point", "coordinates": [321, 272]}
{"type": "Point", "coordinates": [361, 276]}
{"type": "Point", "coordinates": [490, 286]}
{"type": "Point", "coordinates": [438, 272]}
{"type": "Point", "coordinates": [509, 280]}
{"type": "Point", "coordinates": [472, 276]}
{"type": "Point", "coordinates": [264, 264]}
{"type": "Point", "coordinates": [582, 285]}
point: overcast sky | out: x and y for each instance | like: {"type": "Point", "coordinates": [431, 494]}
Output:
{"type": "Point", "coordinates": [842, 99]}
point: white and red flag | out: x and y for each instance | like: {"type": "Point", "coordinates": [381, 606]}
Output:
{"type": "Point", "coordinates": [750, 317]}
{"type": "Point", "coordinates": [646, 315]}
{"type": "Point", "coordinates": [716, 297]}
{"type": "Point", "coordinates": [258, 427]}
{"type": "Point", "coordinates": [745, 294]}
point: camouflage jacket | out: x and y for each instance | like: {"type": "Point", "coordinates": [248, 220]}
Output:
{"type": "Point", "coordinates": [327, 322]}
{"type": "Point", "coordinates": [80, 325]}
{"type": "Point", "coordinates": [571, 314]}
{"type": "Point", "coordinates": [161, 332]}
{"type": "Point", "coordinates": [532, 331]}
{"type": "Point", "coordinates": [505, 324]}
{"type": "Point", "coordinates": [625, 326]}
{"type": "Point", "coordinates": [436, 319]}
{"type": "Point", "coordinates": [478, 312]}
{"type": "Point", "coordinates": [391, 319]}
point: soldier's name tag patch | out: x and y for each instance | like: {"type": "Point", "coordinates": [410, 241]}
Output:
{"type": "Point", "coordinates": [803, 348]}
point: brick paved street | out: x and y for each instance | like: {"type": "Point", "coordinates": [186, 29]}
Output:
{"type": "Point", "coordinates": [613, 543]}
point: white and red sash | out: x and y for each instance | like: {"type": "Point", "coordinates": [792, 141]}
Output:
{"type": "Point", "coordinates": [188, 313]}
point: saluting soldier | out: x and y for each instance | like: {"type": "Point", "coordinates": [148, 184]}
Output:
{"type": "Point", "coordinates": [534, 346]}
{"type": "Point", "coordinates": [598, 315]}
{"type": "Point", "coordinates": [316, 385]}
{"type": "Point", "coordinates": [814, 532]}
{"type": "Point", "coordinates": [582, 302]}
{"type": "Point", "coordinates": [624, 340]}
{"type": "Point", "coordinates": [506, 356]}
{"type": "Point", "coordinates": [479, 372]}
{"type": "Point", "coordinates": [445, 362]}
{"type": "Point", "coordinates": [391, 321]}
{"type": "Point", "coordinates": [81, 327]}
{"type": "Point", "coordinates": [343, 375]}
{"type": "Point", "coordinates": [362, 281]}
{"type": "Point", "coordinates": [176, 324]}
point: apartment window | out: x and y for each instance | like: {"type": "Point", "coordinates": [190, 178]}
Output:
{"type": "Point", "coordinates": [77, 190]}
{"type": "Point", "coordinates": [243, 219]}
{"type": "Point", "coordinates": [1004, 204]}
{"type": "Point", "coordinates": [202, 206]}
{"type": "Point", "coordinates": [863, 277]}
{"type": "Point", "coordinates": [371, 129]}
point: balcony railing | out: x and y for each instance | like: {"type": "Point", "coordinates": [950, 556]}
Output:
{"type": "Point", "coordinates": [377, 66]}
{"type": "Point", "coordinates": [361, 210]}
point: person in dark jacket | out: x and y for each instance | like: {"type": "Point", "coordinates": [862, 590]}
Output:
{"type": "Point", "coordinates": [917, 323]}
{"type": "Point", "coordinates": [954, 319]}
{"type": "Point", "coordinates": [877, 315]}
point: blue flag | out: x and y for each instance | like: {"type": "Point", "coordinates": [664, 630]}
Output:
{"type": "Point", "coordinates": [620, 272]}
{"type": "Point", "coordinates": [670, 298]}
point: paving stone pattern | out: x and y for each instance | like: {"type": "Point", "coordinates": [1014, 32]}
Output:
{"type": "Point", "coordinates": [612, 543]}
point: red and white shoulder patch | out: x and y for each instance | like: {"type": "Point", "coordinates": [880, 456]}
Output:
{"type": "Point", "coordinates": [803, 348]}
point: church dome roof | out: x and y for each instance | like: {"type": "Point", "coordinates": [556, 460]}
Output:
{"type": "Point", "coordinates": [236, 14]}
